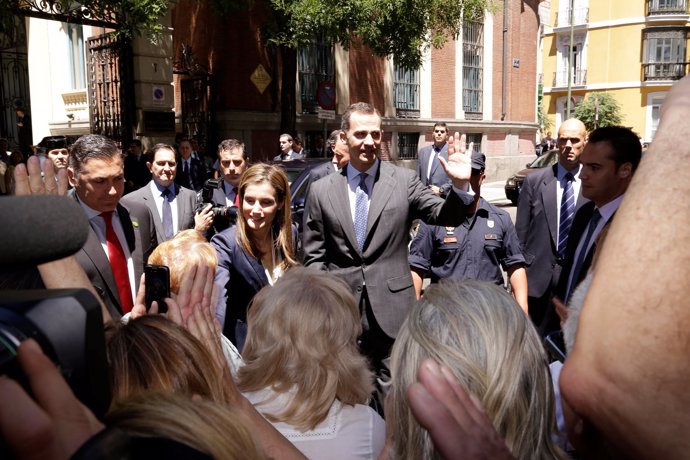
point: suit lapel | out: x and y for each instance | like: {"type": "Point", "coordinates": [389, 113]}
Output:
{"type": "Point", "coordinates": [339, 196]}
{"type": "Point", "coordinates": [150, 201]}
{"type": "Point", "coordinates": [548, 196]}
{"type": "Point", "coordinates": [256, 266]}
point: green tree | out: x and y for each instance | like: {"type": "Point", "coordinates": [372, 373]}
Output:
{"type": "Point", "coordinates": [598, 110]}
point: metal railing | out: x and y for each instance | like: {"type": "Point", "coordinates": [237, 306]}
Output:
{"type": "Point", "coordinates": [655, 7]}
{"type": "Point", "coordinates": [665, 71]}
{"type": "Point", "coordinates": [579, 78]}
{"type": "Point", "coordinates": [580, 16]}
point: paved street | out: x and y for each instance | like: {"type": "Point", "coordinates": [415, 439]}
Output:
{"type": "Point", "coordinates": [494, 193]}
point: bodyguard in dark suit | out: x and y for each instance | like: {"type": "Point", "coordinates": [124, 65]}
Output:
{"type": "Point", "coordinates": [192, 172]}
{"type": "Point", "coordinates": [118, 244]}
{"type": "Point", "coordinates": [609, 162]}
{"type": "Point", "coordinates": [173, 207]}
{"type": "Point", "coordinates": [548, 201]}
{"type": "Point", "coordinates": [137, 174]}
{"type": "Point", "coordinates": [429, 168]}
{"type": "Point", "coordinates": [357, 225]}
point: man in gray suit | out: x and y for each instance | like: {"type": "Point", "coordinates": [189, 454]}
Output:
{"type": "Point", "coordinates": [119, 243]}
{"type": "Point", "coordinates": [429, 167]}
{"type": "Point", "coordinates": [357, 225]}
{"type": "Point", "coordinates": [173, 207]}
{"type": "Point", "coordinates": [548, 202]}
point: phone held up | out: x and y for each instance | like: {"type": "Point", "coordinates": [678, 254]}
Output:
{"type": "Point", "coordinates": [157, 279]}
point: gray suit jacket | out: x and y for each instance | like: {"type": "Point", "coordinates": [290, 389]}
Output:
{"type": "Point", "coordinates": [537, 228]}
{"type": "Point", "coordinates": [398, 197]}
{"type": "Point", "coordinates": [185, 202]}
{"type": "Point", "coordinates": [437, 175]}
{"type": "Point", "coordinates": [141, 239]}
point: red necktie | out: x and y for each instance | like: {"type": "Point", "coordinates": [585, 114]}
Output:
{"type": "Point", "coordinates": [237, 196]}
{"type": "Point", "coordinates": [118, 262]}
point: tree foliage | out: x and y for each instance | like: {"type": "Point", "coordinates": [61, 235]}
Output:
{"type": "Point", "coordinates": [405, 29]}
{"type": "Point", "coordinates": [608, 112]}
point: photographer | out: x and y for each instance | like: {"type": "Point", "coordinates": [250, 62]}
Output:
{"type": "Point", "coordinates": [223, 194]}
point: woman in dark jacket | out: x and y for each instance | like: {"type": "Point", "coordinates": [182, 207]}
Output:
{"type": "Point", "coordinates": [257, 251]}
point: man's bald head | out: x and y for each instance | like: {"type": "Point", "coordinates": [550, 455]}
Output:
{"type": "Point", "coordinates": [572, 136]}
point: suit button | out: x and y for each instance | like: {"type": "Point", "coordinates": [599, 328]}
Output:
{"type": "Point", "coordinates": [359, 288]}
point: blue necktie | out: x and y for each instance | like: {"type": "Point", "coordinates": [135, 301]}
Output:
{"type": "Point", "coordinates": [167, 215]}
{"type": "Point", "coordinates": [567, 213]}
{"type": "Point", "coordinates": [574, 279]}
{"type": "Point", "coordinates": [361, 210]}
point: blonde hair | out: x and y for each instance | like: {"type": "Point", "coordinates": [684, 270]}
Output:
{"type": "Point", "coordinates": [262, 173]}
{"type": "Point", "coordinates": [187, 248]}
{"type": "Point", "coordinates": [482, 335]}
{"type": "Point", "coordinates": [153, 353]}
{"type": "Point", "coordinates": [214, 429]}
{"type": "Point", "coordinates": [303, 337]}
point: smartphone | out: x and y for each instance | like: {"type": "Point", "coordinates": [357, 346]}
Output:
{"type": "Point", "coordinates": [555, 346]}
{"type": "Point", "coordinates": [157, 279]}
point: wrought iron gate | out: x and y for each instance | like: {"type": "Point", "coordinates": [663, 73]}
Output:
{"type": "Point", "coordinates": [110, 86]}
{"type": "Point", "coordinates": [14, 80]}
{"type": "Point", "coordinates": [196, 110]}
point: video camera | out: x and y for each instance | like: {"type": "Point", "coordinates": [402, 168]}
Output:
{"type": "Point", "coordinates": [227, 213]}
{"type": "Point", "coordinates": [66, 323]}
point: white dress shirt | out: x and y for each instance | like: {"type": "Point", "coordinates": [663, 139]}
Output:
{"type": "Point", "coordinates": [157, 192]}
{"type": "Point", "coordinates": [98, 225]}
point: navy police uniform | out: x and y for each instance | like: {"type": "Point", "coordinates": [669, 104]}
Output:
{"type": "Point", "coordinates": [475, 250]}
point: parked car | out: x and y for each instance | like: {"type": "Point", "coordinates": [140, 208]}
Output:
{"type": "Point", "coordinates": [298, 176]}
{"type": "Point", "coordinates": [514, 182]}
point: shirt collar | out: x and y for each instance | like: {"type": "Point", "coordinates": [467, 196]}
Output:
{"type": "Point", "coordinates": [353, 173]}
{"type": "Point", "coordinates": [160, 188]}
{"type": "Point", "coordinates": [561, 171]}
{"type": "Point", "coordinates": [90, 212]}
{"type": "Point", "coordinates": [610, 208]}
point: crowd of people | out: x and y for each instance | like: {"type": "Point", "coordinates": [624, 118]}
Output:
{"type": "Point", "coordinates": [338, 350]}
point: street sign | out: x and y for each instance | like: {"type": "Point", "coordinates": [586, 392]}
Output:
{"type": "Point", "coordinates": [325, 95]}
{"type": "Point", "coordinates": [325, 114]}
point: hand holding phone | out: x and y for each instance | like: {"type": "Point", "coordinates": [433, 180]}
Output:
{"type": "Point", "coordinates": [157, 286]}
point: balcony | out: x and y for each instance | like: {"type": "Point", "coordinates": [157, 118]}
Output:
{"type": "Point", "coordinates": [658, 7]}
{"type": "Point", "coordinates": [579, 78]}
{"type": "Point", "coordinates": [665, 71]}
{"type": "Point", "coordinates": [580, 17]}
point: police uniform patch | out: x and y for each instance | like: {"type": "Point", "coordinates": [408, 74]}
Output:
{"type": "Point", "coordinates": [490, 223]}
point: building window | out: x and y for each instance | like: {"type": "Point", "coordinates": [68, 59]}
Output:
{"type": "Point", "coordinates": [654, 101]}
{"type": "Point", "coordinates": [667, 7]}
{"type": "Point", "coordinates": [477, 139]}
{"type": "Point", "coordinates": [472, 69]}
{"type": "Point", "coordinates": [75, 37]}
{"type": "Point", "coordinates": [664, 52]}
{"type": "Point", "coordinates": [407, 146]}
{"type": "Point", "coordinates": [406, 88]}
{"type": "Point", "coordinates": [316, 64]}
{"type": "Point", "coordinates": [575, 68]}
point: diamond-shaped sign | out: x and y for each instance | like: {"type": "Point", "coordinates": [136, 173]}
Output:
{"type": "Point", "coordinates": [260, 78]}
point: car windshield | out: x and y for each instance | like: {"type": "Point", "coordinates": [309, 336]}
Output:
{"type": "Point", "coordinates": [545, 160]}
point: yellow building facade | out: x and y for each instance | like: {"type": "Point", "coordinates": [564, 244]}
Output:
{"type": "Point", "coordinates": [633, 49]}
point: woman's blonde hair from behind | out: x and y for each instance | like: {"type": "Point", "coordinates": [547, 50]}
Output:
{"type": "Point", "coordinates": [215, 429]}
{"type": "Point", "coordinates": [478, 330]}
{"type": "Point", "coordinates": [303, 338]}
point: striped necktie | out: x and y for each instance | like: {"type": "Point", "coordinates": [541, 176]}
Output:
{"type": "Point", "coordinates": [567, 213]}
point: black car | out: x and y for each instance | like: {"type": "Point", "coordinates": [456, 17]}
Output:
{"type": "Point", "coordinates": [298, 175]}
{"type": "Point", "coordinates": [514, 182]}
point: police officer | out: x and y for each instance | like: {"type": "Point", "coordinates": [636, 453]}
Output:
{"type": "Point", "coordinates": [477, 249]}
